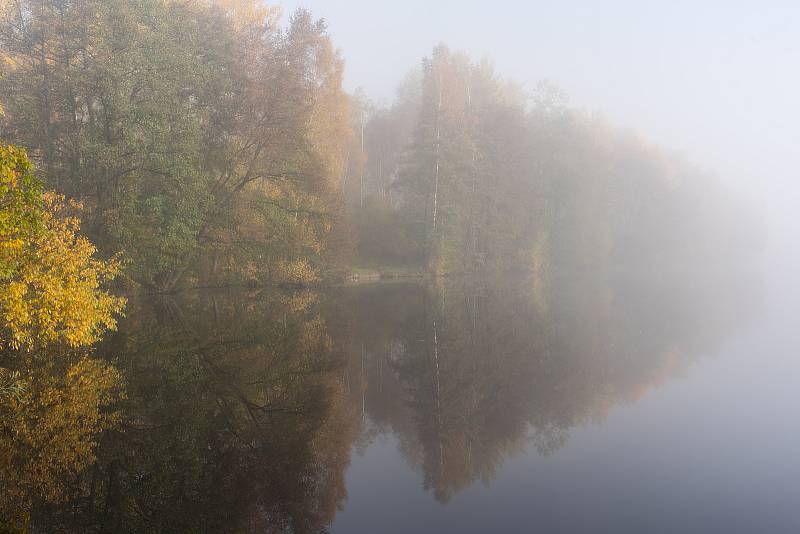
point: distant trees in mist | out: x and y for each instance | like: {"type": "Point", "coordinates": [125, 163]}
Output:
{"type": "Point", "coordinates": [479, 174]}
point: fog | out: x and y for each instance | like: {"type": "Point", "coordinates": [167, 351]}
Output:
{"type": "Point", "coordinates": [712, 80]}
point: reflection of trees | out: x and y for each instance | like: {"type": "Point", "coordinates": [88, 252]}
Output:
{"type": "Point", "coordinates": [468, 373]}
{"type": "Point", "coordinates": [234, 422]}
{"type": "Point", "coordinates": [242, 409]}
{"type": "Point", "coordinates": [48, 429]}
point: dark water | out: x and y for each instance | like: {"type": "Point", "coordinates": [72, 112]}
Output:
{"type": "Point", "coordinates": [623, 403]}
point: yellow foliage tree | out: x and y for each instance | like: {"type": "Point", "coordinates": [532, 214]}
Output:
{"type": "Point", "coordinates": [50, 281]}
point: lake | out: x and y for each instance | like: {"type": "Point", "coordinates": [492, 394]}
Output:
{"type": "Point", "coordinates": [627, 402]}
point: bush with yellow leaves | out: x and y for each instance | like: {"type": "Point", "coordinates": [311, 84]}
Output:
{"type": "Point", "coordinates": [50, 282]}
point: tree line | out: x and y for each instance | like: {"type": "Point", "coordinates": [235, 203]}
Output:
{"type": "Point", "coordinates": [468, 172]}
{"type": "Point", "coordinates": [241, 158]}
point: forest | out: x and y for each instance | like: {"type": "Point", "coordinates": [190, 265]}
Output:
{"type": "Point", "coordinates": [157, 146]}
{"type": "Point", "coordinates": [242, 160]}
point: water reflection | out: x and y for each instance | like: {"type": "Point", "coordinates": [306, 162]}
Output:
{"type": "Point", "coordinates": [242, 409]}
{"type": "Point", "coordinates": [234, 421]}
{"type": "Point", "coordinates": [467, 374]}
{"type": "Point", "coordinates": [48, 430]}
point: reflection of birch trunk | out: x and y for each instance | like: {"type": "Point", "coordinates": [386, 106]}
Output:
{"type": "Point", "coordinates": [363, 387]}
{"type": "Point", "coordinates": [474, 382]}
{"type": "Point", "coordinates": [380, 371]}
{"type": "Point", "coordinates": [438, 394]}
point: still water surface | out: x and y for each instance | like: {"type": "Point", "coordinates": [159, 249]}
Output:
{"type": "Point", "coordinates": [629, 403]}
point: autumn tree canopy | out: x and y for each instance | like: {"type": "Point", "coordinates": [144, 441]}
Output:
{"type": "Point", "coordinates": [198, 158]}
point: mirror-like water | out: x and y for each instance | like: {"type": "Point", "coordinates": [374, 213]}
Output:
{"type": "Point", "coordinates": [616, 405]}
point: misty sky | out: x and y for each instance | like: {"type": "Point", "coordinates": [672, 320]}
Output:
{"type": "Point", "coordinates": [717, 81]}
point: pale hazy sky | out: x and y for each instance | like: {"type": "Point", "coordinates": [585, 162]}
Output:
{"type": "Point", "coordinates": [716, 80]}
